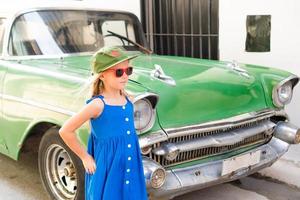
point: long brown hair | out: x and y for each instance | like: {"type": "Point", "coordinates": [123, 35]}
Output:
{"type": "Point", "coordinates": [97, 86]}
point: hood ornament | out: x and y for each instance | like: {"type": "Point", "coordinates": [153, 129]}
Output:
{"type": "Point", "coordinates": [159, 74]}
{"type": "Point", "coordinates": [235, 67]}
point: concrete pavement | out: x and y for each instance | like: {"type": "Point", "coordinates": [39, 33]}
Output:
{"type": "Point", "coordinates": [20, 179]}
{"type": "Point", "coordinates": [224, 192]}
{"type": "Point", "coordinates": [286, 169]}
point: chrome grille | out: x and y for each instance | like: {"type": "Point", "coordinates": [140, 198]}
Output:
{"type": "Point", "coordinates": [259, 138]}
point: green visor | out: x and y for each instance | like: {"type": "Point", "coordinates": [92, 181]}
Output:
{"type": "Point", "coordinates": [108, 57]}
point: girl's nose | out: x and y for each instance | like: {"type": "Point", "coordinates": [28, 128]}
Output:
{"type": "Point", "coordinates": [124, 74]}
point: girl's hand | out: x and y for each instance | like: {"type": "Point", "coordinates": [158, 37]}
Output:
{"type": "Point", "coordinates": [89, 164]}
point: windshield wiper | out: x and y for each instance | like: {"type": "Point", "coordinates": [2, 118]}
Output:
{"type": "Point", "coordinates": [132, 42]}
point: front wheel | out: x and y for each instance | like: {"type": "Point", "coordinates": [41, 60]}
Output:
{"type": "Point", "coordinates": [61, 171]}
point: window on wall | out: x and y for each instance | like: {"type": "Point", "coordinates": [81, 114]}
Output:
{"type": "Point", "coordinates": [258, 33]}
{"type": "Point", "coordinates": [182, 27]}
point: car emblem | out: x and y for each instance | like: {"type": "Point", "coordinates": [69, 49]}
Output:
{"type": "Point", "coordinates": [159, 74]}
{"type": "Point", "coordinates": [235, 67]}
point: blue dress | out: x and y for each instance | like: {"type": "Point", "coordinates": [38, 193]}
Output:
{"type": "Point", "coordinates": [114, 145]}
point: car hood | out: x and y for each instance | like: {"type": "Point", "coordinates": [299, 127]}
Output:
{"type": "Point", "coordinates": [205, 90]}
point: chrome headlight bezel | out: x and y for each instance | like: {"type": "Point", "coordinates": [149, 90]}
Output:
{"type": "Point", "coordinates": [150, 100]}
{"type": "Point", "coordinates": [283, 92]}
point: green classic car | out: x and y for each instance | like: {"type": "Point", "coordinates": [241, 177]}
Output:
{"type": "Point", "coordinates": [200, 122]}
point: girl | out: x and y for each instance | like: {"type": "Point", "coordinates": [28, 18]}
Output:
{"type": "Point", "coordinates": [112, 162]}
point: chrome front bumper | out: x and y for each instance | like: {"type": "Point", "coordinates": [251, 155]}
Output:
{"type": "Point", "coordinates": [183, 180]}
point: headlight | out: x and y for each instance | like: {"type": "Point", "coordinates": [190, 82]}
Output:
{"type": "Point", "coordinates": [144, 115]}
{"type": "Point", "coordinates": [285, 93]}
{"type": "Point", "coordinates": [282, 94]}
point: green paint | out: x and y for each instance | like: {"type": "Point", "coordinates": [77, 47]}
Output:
{"type": "Point", "coordinates": [205, 91]}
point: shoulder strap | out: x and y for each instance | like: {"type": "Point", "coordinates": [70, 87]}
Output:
{"type": "Point", "coordinates": [97, 96]}
{"type": "Point", "coordinates": [127, 98]}
{"type": "Point", "coordinates": [88, 101]}
{"type": "Point", "coordinates": [101, 97]}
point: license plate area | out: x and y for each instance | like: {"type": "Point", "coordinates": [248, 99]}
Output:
{"type": "Point", "coordinates": [239, 162]}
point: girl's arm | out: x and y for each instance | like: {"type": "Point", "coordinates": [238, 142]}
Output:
{"type": "Point", "coordinates": [67, 132]}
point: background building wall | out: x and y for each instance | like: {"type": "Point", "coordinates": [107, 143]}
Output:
{"type": "Point", "coordinates": [285, 40]}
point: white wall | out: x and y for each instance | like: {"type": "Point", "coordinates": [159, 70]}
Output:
{"type": "Point", "coordinates": [285, 38]}
{"type": "Point", "coordinates": [131, 5]}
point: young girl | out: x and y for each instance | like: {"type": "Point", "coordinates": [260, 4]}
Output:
{"type": "Point", "coordinates": [113, 162]}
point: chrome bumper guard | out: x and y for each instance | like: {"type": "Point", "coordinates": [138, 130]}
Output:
{"type": "Point", "coordinates": [183, 180]}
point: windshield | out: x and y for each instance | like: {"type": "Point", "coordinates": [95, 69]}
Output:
{"type": "Point", "coordinates": [60, 32]}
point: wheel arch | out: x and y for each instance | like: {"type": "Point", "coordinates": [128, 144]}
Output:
{"type": "Point", "coordinates": [34, 133]}
{"type": "Point", "coordinates": [32, 136]}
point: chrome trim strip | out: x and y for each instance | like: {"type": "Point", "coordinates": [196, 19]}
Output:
{"type": "Point", "coordinates": [37, 104]}
{"type": "Point", "coordinates": [291, 77]}
{"type": "Point", "coordinates": [161, 136]}
{"type": "Point", "coordinates": [217, 140]}
{"type": "Point", "coordinates": [224, 123]}
{"type": "Point", "coordinates": [144, 95]}
{"type": "Point", "coordinates": [152, 138]}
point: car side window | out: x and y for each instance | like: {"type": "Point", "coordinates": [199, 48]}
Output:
{"type": "Point", "coordinates": [2, 28]}
{"type": "Point", "coordinates": [22, 44]}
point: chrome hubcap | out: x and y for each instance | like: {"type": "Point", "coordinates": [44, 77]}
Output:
{"type": "Point", "coordinates": [60, 172]}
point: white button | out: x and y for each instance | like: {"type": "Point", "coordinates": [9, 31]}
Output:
{"type": "Point", "coordinates": [128, 170]}
{"type": "Point", "coordinates": [128, 132]}
{"type": "Point", "coordinates": [129, 145]}
{"type": "Point", "coordinates": [129, 158]}
{"type": "Point", "coordinates": [123, 107]}
{"type": "Point", "coordinates": [126, 119]}
{"type": "Point", "coordinates": [127, 182]}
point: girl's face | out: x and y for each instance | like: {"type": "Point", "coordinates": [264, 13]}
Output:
{"type": "Point", "coordinates": [116, 77]}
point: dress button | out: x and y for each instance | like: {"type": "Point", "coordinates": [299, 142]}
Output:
{"type": "Point", "coordinates": [129, 145]}
{"type": "Point", "coordinates": [129, 158]}
{"type": "Point", "coordinates": [126, 119]}
{"type": "Point", "coordinates": [128, 170]}
{"type": "Point", "coordinates": [128, 132]}
{"type": "Point", "coordinates": [127, 182]}
{"type": "Point", "coordinates": [123, 107]}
